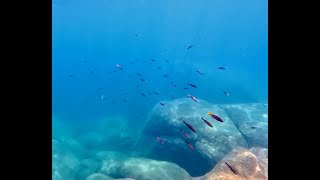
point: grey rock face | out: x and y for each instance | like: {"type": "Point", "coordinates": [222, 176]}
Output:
{"type": "Point", "coordinates": [252, 122]}
{"type": "Point", "coordinates": [211, 144]}
{"type": "Point", "coordinates": [119, 166]}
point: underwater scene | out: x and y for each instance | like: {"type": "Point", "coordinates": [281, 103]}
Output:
{"type": "Point", "coordinates": [159, 89]}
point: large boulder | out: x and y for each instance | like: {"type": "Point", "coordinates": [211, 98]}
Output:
{"type": "Point", "coordinates": [64, 163]}
{"type": "Point", "coordinates": [147, 169]}
{"type": "Point", "coordinates": [111, 163]}
{"type": "Point", "coordinates": [99, 176]}
{"type": "Point", "coordinates": [252, 122]}
{"type": "Point", "coordinates": [249, 165]}
{"type": "Point", "coordinates": [211, 144]}
{"type": "Point", "coordinates": [88, 166]}
{"type": "Point", "coordinates": [70, 160]}
{"type": "Point", "coordinates": [118, 165]}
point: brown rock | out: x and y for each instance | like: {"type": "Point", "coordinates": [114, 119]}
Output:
{"type": "Point", "coordinates": [250, 165]}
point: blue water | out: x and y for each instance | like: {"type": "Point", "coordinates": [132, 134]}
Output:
{"type": "Point", "coordinates": [90, 36]}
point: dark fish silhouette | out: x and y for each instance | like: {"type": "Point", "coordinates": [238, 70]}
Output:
{"type": "Point", "coordinates": [185, 88]}
{"type": "Point", "coordinates": [192, 85]}
{"type": "Point", "coordinates": [227, 94]}
{"type": "Point", "coordinates": [155, 93]}
{"type": "Point", "coordinates": [153, 60]}
{"type": "Point", "coordinates": [215, 117]}
{"type": "Point", "coordinates": [141, 79]}
{"type": "Point", "coordinates": [138, 74]}
{"type": "Point", "coordinates": [142, 94]}
{"type": "Point", "coordinates": [222, 68]}
{"type": "Point", "coordinates": [165, 75]}
{"type": "Point", "coordinates": [232, 169]}
{"type": "Point", "coordinates": [207, 122]}
{"type": "Point", "coordinates": [162, 104]}
{"type": "Point", "coordinates": [190, 146]}
{"type": "Point", "coordinates": [193, 98]}
{"type": "Point", "coordinates": [199, 72]}
{"type": "Point", "coordinates": [190, 127]}
{"type": "Point", "coordinates": [160, 140]}
{"type": "Point", "coordinates": [184, 133]}
{"type": "Point", "coordinates": [189, 47]}
{"type": "Point", "coordinates": [119, 67]}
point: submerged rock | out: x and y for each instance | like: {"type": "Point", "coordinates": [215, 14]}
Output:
{"type": "Point", "coordinates": [101, 140]}
{"type": "Point", "coordinates": [64, 163]}
{"type": "Point", "coordinates": [247, 164]}
{"type": "Point", "coordinates": [70, 160]}
{"type": "Point", "coordinates": [91, 139]}
{"type": "Point", "coordinates": [117, 165]}
{"type": "Point", "coordinates": [261, 153]}
{"type": "Point", "coordinates": [99, 176]}
{"type": "Point", "coordinates": [83, 158]}
{"type": "Point", "coordinates": [211, 144]}
{"type": "Point", "coordinates": [87, 167]}
{"type": "Point", "coordinates": [110, 133]}
{"type": "Point", "coordinates": [111, 163]}
{"type": "Point", "coordinates": [252, 122]}
{"type": "Point", "coordinates": [147, 169]}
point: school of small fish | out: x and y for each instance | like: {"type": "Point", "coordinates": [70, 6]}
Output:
{"type": "Point", "coordinates": [166, 76]}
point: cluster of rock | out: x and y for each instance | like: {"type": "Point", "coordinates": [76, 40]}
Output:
{"type": "Point", "coordinates": [241, 140]}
